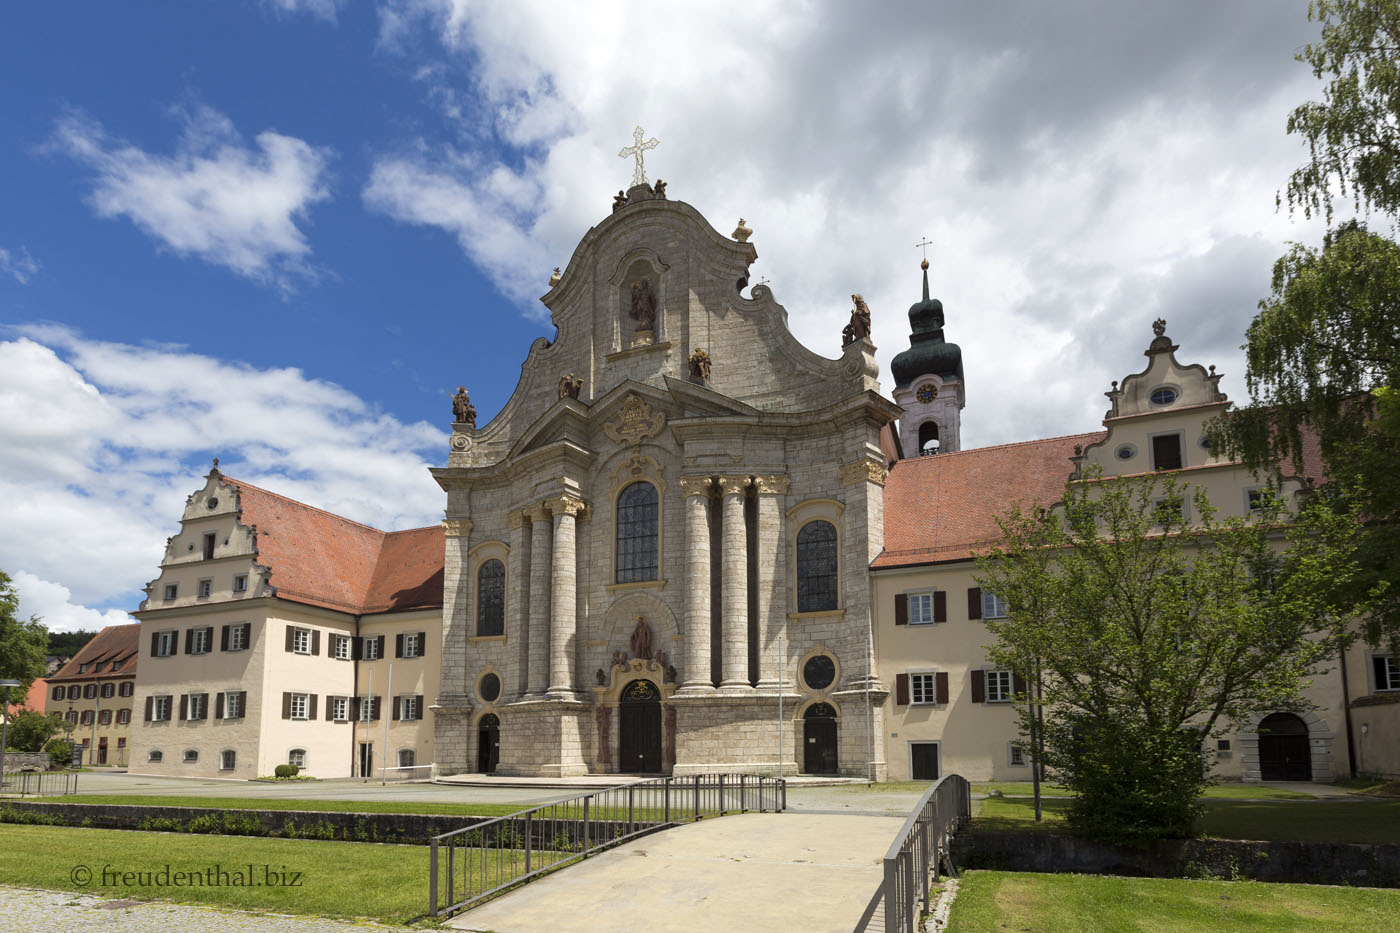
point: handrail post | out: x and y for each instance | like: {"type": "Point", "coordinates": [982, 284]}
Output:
{"type": "Point", "coordinates": [585, 825]}
{"type": "Point", "coordinates": [432, 877]}
{"type": "Point", "coordinates": [630, 827]}
{"type": "Point", "coordinates": [721, 794]}
{"type": "Point", "coordinates": [743, 794]}
{"type": "Point", "coordinates": [666, 793]}
{"type": "Point", "coordinates": [697, 798]}
{"type": "Point", "coordinates": [529, 834]}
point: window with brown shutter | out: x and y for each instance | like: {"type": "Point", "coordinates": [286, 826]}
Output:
{"type": "Point", "coordinates": [184, 706]}
{"type": "Point", "coordinates": [901, 609]}
{"type": "Point", "coordinates": [316, 641]}
{"type": "Point", "coordinates": [311, 707]}
{"type": "Point", "coordinates": [940, 681]}
{"type": "Point", "coordinates": [223, 638]}
{"type": "Point", "coordinates": [219, 706]}
{"type": "Point", "coordinates": [418, 706]}
{"type": "Point", "coordinates": [940, 606]}
{"type": "Point", "coordinates": [381, 646]}
{"type": "Point", "coordinates": [979, 686]}
{"type": "Point", "coordinates": [422, 644]}
{"type": "Point", "coordinates": [291, 633]}
{"type": "Point", "coordinates": [286, 705]}
{"type": "Point", "coordinates": [149, 701]}
{"type": "Point", "coordinates": [901, 689]}
{"type": "Point", "coordinates": [974, 602]}
{"type": "Point", "coordinates": [398, 645]}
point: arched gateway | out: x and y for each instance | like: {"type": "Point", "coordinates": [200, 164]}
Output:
{"type": "Point", "coordinates": [639, 728]}
{"type": "Point", "coordinates": [819, 739]}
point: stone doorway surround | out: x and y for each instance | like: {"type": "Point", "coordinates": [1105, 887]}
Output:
{"type": "Point", "coordinates": [607, 721]}
{"type": "Point", "coordinates": [1319, 743]}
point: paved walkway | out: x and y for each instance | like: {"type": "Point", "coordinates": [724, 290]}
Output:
{"type": "Point", "coordinates": [55, 912]}
{"type": "Point", "coordinates": [756, 872]}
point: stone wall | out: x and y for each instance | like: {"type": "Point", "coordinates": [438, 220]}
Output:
{"type": "Point", "coordinates": [27, 761]}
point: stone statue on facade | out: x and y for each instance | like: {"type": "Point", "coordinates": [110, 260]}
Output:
{"type": "Point", "coordinates": [859, 327]}
{"type": "Point", "coordinates": [619, 200]}
{"type": "Point", "coordinates": [570, 386]}
{"type": "Point", "coordinates": [463, 411]}
{"type": "Point", "coordinates": [643, 309]}
{"type": "Point", "coordinates": [641, 639]}
{"type": "Point", "coordinates": [602, 678]}
{"type": "Point", "coordinates": [619, 658]}
{"type": "Point", "coordinates": [660, 190]}
{"type": "Point", "coordinates": [700, 367]}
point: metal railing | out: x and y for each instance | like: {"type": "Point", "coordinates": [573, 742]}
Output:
{"type": "Point", "coordinates": [493, 855]}
{"type": "Point", "coordinates": [912, 862]}
{"type": "Point", "coordinates": [40, 782]}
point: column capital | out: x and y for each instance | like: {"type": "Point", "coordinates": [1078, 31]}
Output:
{"type": "Point", "coordinates": [864, 471]}
{"type": "Point", "coordinates": [457, 527]}
{"type": "Point", "coordinates": [695, 485]}
{"type": "Point", "coordinates": [732, 485]}
{"type": "Point", "coordinates": [565, 505]}
{"type": "Point", "coordinates": [775, 484]}
{"type": "Point", "coordinates": [517, 519]}
{"type": "Point", "coordinates": [536, 513]}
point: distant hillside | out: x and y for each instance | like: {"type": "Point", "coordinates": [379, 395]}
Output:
{"type": "Point", "coordinates": [67, 644]}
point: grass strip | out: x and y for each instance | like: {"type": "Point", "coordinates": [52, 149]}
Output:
{"type": "Point", "coordinates": [1213, 792]}
{"type": "Point", "coordinates": [990, 902]}
{"type": "Point", "coordinates": [279, 803]}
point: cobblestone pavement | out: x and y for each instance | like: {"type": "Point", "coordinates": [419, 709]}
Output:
{"type": "Point", "coordinates": [59, 912]}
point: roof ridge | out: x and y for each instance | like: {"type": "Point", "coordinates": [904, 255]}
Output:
{"type": "Point", "coordinates": [975, 450]}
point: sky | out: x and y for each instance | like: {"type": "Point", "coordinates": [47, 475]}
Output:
{"type": "Point", "coordinates": [281, 232]}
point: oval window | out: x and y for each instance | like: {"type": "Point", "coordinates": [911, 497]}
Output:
{"type": "Point", "coordinates": [1125, 452]}
{"type": "Point", "coordinates": [819, 672]}
{"type": "Point", "coordinates": [1163, 395]}
{"type": "Point", "coordinates": [490, 688]}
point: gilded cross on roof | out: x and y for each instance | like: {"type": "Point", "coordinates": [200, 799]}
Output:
{"type": "Point", "coordinates": [924, 244]}
{"type": "Point", "coordinates": [639, 177]}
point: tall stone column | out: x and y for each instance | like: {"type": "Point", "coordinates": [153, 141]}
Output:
{"type": "Point", "coordinates": [563, 601]}
{"type": "Point", "coordinates": [518, 599]}
{"type": "Point", "coordinates": [696, 490]}
{"type": "Point", "coordinates": [772, 579]}
{"type": "Point", "coordinates": [541, 539]}
{"type": "Point", "coordinates": [734, 586]}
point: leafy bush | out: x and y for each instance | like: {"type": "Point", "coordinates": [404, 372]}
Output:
{"type": "Point", "coordinates": [60, 753]}
{"type": "Point", "coordinates": [285, 771]}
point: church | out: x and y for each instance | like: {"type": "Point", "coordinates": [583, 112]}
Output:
{"type": "Point", "coordinates": [687, 543]}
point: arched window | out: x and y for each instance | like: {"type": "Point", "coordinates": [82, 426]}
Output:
{"type": "Point", "coordinates": [491, 598]}
{"type": "Point", "coordinates": [636, 534]}
{"type": "Point", "coordinates": [816, 567]}
{"type": "Point", "coordinates": [928, 438]}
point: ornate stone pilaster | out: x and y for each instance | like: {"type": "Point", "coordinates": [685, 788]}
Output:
{"type": "Point", "coordinates": [456, 609]}
{"type": "Point", "coordinates": [863, 529]}
{"type": "Point", "coordinates": [734, 586]}
{"type": "Point", "coordinates": [563, 602]}
{"type": "Point", "coordinates": [539, 585]}
{"type": "Point", "coordinates": [518, 598]}
{"type": "Point", "coordinates": [772, 577]}
{"type": "Point", "coordinates": [697, 585]}
{"type": "Point", "coordinates": [864, 471]}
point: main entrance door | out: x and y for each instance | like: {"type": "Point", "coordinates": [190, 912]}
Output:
{"type": "Point", "coordinates": [488, 744]}
{"type": "Point", "coordinates": [819, 739]}
{"type": "Point", "coordinates": [366, 758]}
{"type": "Point", "coordinates": [1283, 749]}
{"type": "Point", "coordinates": [639, 728]}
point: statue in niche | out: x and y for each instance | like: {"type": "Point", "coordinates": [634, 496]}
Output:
{"type": "Point", "coordinates": [601, 677]}
{"type": "Point", "coordinates": [643, 309]}
{"type": "Point", "coordinates": [859, 327]}
{"type": "Point", "coordinates": [700, 367]}
{"type": "Point", "coordinates": [660, 189]}
{"type": "Point", "coordinates": [619, 200]}
{"type": "Point", "coordinates": [641, 639]}
{"type": "Point", "coordinates": [463, 411]}
{"type": "Point", "coordinates": [570, 386]}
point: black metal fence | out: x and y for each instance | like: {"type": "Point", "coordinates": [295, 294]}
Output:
{"type": "Point", "coordinates": [39, 782]}
{"type": "Point", "coordinates": [913, 860]}
{"type": "Point", "coordinates": [469, 865]}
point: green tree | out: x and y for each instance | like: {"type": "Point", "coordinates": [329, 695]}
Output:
{"type": "Point", "coordinates": [22, 643]}
{"type": "Point", "coordinates": [1151, 636]}
{"type": "Point", "coordinates": [30, 730]}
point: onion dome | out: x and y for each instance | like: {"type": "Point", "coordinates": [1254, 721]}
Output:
{"type": "Point", "coordinates": [928, 354]}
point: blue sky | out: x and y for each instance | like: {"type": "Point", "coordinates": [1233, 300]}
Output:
{"type": "Point", "coordinates": [282, 231]}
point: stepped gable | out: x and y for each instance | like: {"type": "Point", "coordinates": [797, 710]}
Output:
{"type": "Point", "coordinates": [326, 560]}
{"type": "Point", "coordinates": [113, 643]}
{"type": "Point", "coordinates": [944, 507]}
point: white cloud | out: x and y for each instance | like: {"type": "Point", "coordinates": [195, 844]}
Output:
{"type": "Point", "coordinates": [53, 603]}
{"type": "Point", "coordinates": [327, 10]}
{"type": "Point", "coordinates": [216, 198]}
{"type": "Point", "coordinates": [1075, 165]}
{"type": "Point", "coordinates": [101, 442]}
{"type": "Point", "coordinates": [19, 264]}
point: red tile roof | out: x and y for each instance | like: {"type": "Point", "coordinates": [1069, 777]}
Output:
{"type": "Point", "coordinates": [326, 560]}
{"type": "Point", "coordinates": [113, 643]}
{"type": "Point", "coordinates": [943, 507]}
{"type": "Point", "coordinates": [33, 700]}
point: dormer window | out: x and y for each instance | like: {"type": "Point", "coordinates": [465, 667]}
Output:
{"type": "Point", "coordinates": [1163, 395]}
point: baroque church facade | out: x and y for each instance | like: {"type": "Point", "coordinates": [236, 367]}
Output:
{"type": "Point", "coordinates": [676, 509]}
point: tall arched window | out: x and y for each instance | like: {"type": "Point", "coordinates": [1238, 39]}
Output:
{"type": "Point", "coordinates": [816, 567]}
{"type": "Point", "coordinates": [928, 438]}
{"type": "Point", "coordinates": [636, 534]}
{"type": "Point", "coordinates": [491, 598]}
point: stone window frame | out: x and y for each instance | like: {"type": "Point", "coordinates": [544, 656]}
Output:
{"type": "Point", "coordinates": [228, 759]}
{"type": "Point", "coordinates": [412, 754]}
{"type": "Point", "coordinates": [240, 583]}
{"type": "Point", "coordinates": [1392, 664]}
{"type": "Point", "coordinates": [489, 670]}
{"type": "Point", "coordinates": [300, 765]}
{"type": "Point", "coordinates": [477, 557]}
{"type": "Point", "coordinates": [167, 643]}
{"type": "Point", "coordinates": [190, 756]}
{"type": "Point", "coordinates": [1180, 435]}
{"type": "Point", "coordinates": [637, 468]}
{"type": "Point", "coordinates": [1003, 678]}
{"type": "Point", "coordinates": [653, 532]}
{"type": "Point", "coordinates": [922, 593]}
{"type": "Point", "coordinates": [1013, 750]}
{"type": "Point", "coordinates": [932, 675]}
{"type": "Point", "coordinates": [204, 589]}
{"type": "Point", "coordinates": [819, 649]}
{"type": "Point", "coordinates": [235, 632]}
{"type": "Point", "coordinates": [798, 517]}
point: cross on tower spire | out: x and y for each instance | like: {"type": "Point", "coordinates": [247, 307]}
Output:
{"type": "Point", "coordinates": [639, 176]}
{"type": "Point", "coordinates": [924, 244]}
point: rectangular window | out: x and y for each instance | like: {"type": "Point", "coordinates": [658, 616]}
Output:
{"type": "Point", "coordinates": [200, 639]}
{"type": "Point", "coordinates": [998, 686]}
{"type": "Point", "coordinates": [154, 755]}
{"type": "Point", "coordinates": [227, 759]}
{"type": "Point", "coordinates": [160, 709]}
{"type": "Point", "coordinates": [344, 647]}
{"type": "Point", "coordinates": [108, 690]}
{"type": "Point", "coordinates": [209, 545]}
{"type": "Point", "coordinates": [407, 757]}
{"type": "Point", "coordinates": [235, 704]}
{"type": "Point", "coordinates": [993, 607]}
{"type": "Point", "coordinates": [171, 591]}
{"type": "Point", "coordinates": [297, 758]}
{"type": "Point", "coordinates": [104, 718]}
{"type": "Point", "coordinates": [87, 717]}
{"type": "Point", "coordinates": [58, 693]}
{"type": "Point", "coordinates": [1016, 756]}
{"type": "Point", "coordinates": [199, 706]}
{"type": "Point", "coordinates": [163, 644]}
{"type": "Point", "coordinates": [240, 583]}
{"type": "Point", "coordinates": [1166, 452]}
{"type": "Point", "coordinates": [123, 716]}
{"type": "Point", "coordinates": [369, 708]}
{"type": "Point", "coordinates": [83, 668]}
{"type": "Point", "coordinates": [121, 743]}
{"type": "Point", "coordinates": [117, 665]}
{"type": "Point", "coordinates": [411, 648]}
{"type": "Point", "coordinates": [238, 637]}
{"type": "Point", "coordinates": [921, 688]}
{"type": "Point", "coordinates": [1169, 510]}
{"type": "Point", "coordinates": [408, 707]}
{"type": "Point", "coordinates": [127, 689]}
{"type": "Point", "coordinates": [191, 756]}
{"type": "Point", "coordinates": [89, 691]}
{"type": "Point", "coordinates": [1387, 670]}
{"type": "Point", "coordinates": [340, 709]}
{"type": "Point", "coordinates": [74, 691]}
{"type": "Point", "coordinates": [369, 648]}
{"type": "Point", "coordinates": [300, 705]}
{"type": "Point", "coordinates": [301, 640]}
{"type": "Point", "coordinates": [206, 589]}
{"type": "Point", "coordinates": [920, 608]}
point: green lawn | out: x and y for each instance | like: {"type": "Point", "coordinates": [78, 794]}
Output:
{"type": "Point", "coordinates": [277, 803]}
{"type": "Point", "coordinates": [338, 879]}
{"type": "Point", "coordinates": [1214, 792]}
{"type": "Point", "coordinates": [1320, 821]}
{"type": "Point", "coordinates": [990, 902]}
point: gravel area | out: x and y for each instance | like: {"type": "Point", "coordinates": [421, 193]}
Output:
{"type": "Point", "coordinates": [58, 912]}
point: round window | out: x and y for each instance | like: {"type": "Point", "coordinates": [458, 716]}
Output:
{"type": "Point", "coordinates": [490, 688]}
{"type": "Point", "coordinates": [1125, 452]}
{"type": "Point", "coordinates": [213, 502]}
{"type": "Point", "coordinates": [819, 672]}
{"type": "Point", "coordinates": [1163, 395]}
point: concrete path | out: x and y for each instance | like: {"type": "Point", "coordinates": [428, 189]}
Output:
{"type": "Point", "coordinates": [756, 872]}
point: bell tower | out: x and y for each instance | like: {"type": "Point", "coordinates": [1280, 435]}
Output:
{"type": "Point", "coordinates": [929, 382]}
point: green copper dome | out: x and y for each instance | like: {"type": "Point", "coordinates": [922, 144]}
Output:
{"type": "Point", "coordinates": [928, 354]}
